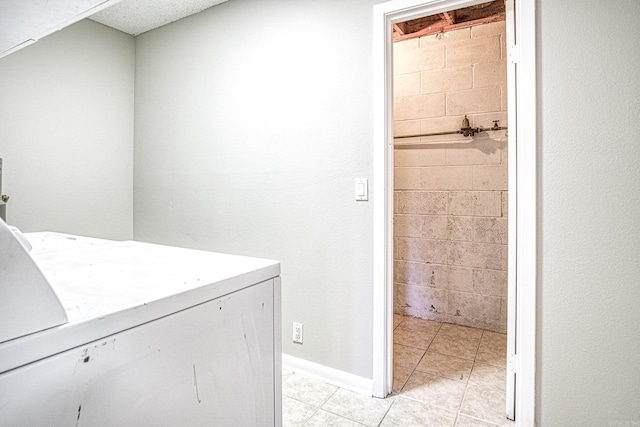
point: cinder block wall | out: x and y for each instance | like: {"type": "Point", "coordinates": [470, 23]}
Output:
{"type": "Point", "coordinates": [450, 222]}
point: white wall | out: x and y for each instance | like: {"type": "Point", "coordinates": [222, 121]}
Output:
{"type": "Point", "coordinates": [589, 217]}
{"type": "Point", "coordinates": [252, 121]}
{"type": "Point", "coordinates": [66, 132]}
{"type": "Point", "coordinates": [248, 142]}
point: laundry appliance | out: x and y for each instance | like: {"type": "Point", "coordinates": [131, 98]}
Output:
{"type": "Point", "coordinates": [96, 332]}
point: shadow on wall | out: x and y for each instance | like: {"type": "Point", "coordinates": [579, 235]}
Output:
{"type": "Point", "coordinates": [484, 142]}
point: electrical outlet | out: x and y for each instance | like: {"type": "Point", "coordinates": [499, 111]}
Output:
{"type": "Point", "coordinates": [297, 332]}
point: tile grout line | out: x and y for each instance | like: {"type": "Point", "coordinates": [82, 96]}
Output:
{"type": "Point", "coordinates": [466, 387]}
{"type": "Point", "coordinates": [311, 416]}
{"type": "Point", "coordinates": [387, 411]}
{"type": "Point", "coordinates": [421, 357]}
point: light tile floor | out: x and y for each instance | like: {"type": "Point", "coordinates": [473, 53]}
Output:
{"type": "Point", "coordinates": [444, 375]}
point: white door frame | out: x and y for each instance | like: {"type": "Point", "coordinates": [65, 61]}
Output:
{"type": "Point", "coordinates": [522, 210]}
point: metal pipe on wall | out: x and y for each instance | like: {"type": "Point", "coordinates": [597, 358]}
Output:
{"type": "Point", "coordinates": [454, 132]}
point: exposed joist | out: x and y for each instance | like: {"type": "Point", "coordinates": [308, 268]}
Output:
{"type": "Point", "coordinates": [450, 17]}
{"type": "Point", "coordinates": [446, 21]}
{"type": "Point", "coordinates": [442, 26]}
{"type": "Point", "coordinates": [400, 28]}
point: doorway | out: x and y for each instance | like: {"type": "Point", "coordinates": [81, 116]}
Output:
{"type": "Point", "coordinates": [521, 216]}
{"type": "Point", "coordinates": [451, 168]}
{"type": "Point", "coordinates": [450, 210]}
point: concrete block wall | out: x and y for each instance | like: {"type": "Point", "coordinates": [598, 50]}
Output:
{"type": "Point", "coordinates": [450, 221]}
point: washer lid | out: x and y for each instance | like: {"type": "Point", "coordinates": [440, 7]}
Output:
{"type": "Point", "coordinates": [28, 304]}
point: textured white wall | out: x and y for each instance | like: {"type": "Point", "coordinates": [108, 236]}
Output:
{"type": "Point", "coordinates": [66, 133]}
{"type": "Point", "coordinates": [252, 121]}
{"type": "Point", "coordinates": [589, 218]}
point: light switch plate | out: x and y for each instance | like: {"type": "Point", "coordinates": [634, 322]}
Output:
{"type": "Point", "coordinates": [362, 189]}
{"type": "Point", "coordinates": [297, 332]}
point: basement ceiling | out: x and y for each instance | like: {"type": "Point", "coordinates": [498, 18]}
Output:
{"type": "Point", "coordinates": [483, 13]}
{"type": "Point", "coordinates": [138, 16]}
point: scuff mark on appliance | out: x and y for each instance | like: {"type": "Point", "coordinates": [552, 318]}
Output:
{"type": "Point", "coordinates": [79, 411]}
{"type": "Point", "coordinates": [83, 355]}
{"type": "Point", "coordinates": [195, 383]}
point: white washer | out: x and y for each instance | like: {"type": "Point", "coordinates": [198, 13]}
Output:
{"type": "Point", "coordinates": [101, 333]}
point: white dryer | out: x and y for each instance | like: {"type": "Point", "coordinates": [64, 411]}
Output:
{"type": "Point", "coordinates": [102, 333]}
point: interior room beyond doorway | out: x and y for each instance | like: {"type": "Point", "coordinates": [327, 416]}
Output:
{"type": "Point", "coordinates": [450, 239]}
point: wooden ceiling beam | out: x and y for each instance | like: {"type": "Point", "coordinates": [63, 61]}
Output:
{"type": "Point", "coordinates": [450, 17]}
{"type": "Point", "coordinates": [400, 28]}
{"type": "Point", "coordinates": [438, 28]}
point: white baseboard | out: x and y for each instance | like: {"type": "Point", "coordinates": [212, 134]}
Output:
{"type": "Point", "coordinates": [329, 375]}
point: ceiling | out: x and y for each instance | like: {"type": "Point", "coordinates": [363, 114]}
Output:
{"type": "Point", "coordinates": [466, 17]}
{"type": "Point", "coordinates": [138, 16]}
{"type": "Point", "coordinates": [23, 22]}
